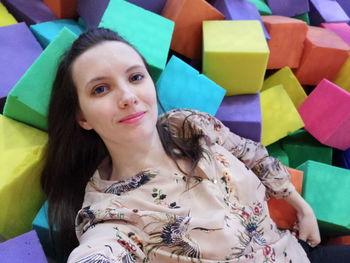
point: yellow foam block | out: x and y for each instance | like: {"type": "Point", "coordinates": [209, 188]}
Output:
{"type": "Point", "coordinates": [290, 83]}
{"type": "Point", "coordinates": [21, 151]}
{"type": "Point", "coordinates": [235, 55]}
{"type": "Point", "coordinates": [279, 115]}
{"type": "Point", "coordinates": [5, 17]}
{"type": "Point", "coordinates": [343, 78]}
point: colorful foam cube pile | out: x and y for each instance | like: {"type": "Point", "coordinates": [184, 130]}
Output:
{"type": "Point", "coordinates": [272, 71]}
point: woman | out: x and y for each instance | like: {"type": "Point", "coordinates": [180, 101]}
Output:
{"type": "Point", "coordinates": [176, 188]}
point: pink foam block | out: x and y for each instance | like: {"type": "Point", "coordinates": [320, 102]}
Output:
{"type": "Point", "coordinates": [326, 114]}
{"type": "Point", "coordinates": [341, 29]}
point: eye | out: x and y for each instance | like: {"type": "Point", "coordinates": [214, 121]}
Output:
{"type": "Point", "coordinates": [99, 89]}
{"type": "Point", "coordinates": [136, 78]}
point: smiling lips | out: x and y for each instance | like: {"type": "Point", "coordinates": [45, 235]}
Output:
{"type": "Point", "coordinates": [132, 118]}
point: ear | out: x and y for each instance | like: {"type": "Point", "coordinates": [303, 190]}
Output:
{"type": "Point", "coordinates": [82, 121]}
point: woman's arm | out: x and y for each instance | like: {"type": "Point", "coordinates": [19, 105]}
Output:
{"type": "Point", "coordinates": [307, 223]}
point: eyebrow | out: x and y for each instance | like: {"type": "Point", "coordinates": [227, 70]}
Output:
{"type": "Point", "coordinates": [102, 77]}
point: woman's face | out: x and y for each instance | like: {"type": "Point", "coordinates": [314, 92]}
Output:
{"type": "Point", "coordinates": [117, 96]}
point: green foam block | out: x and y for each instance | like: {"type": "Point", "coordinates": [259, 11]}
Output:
{"type": "Point", "coordinates": [148, 32]}
{"type": "Point", "coordinates": [29, 99]}
{"type": "Point", "coordinates": [262, 7]}
{"type": "Point", "coordinates": [304, 17]}
{"type": "Point", "coordinates": [326, 189]}
{"type": "Point", "coordinates": [301, 146]}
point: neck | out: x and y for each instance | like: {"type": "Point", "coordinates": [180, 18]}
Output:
{"type": "Point", "coordinates": [130, 158]}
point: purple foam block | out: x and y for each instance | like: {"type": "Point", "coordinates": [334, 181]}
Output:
{"type": "Point", "coordinates": [326, 11]}
{"type": "Point", "coordinates": [29, 11]}
{"type": "Point", "coordinates": [289, 7]}
{"type": "Point", "coordinates": [19, 49]}
{"type": "Point", "coordinates": [155, 6]}
{"type": "Point", "coordinates": [91, 11]}
{"type": "Point", "coordinates": [24, 248]}
{"type": "Point", "coordinates": [240, 10]}
{"type": "Point", "coordinates": [345, 4]}
{"type": "Point", "coordinates": [242, 114]}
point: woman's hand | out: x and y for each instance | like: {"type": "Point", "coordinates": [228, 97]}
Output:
{"type": "Point", "coordinates": [306, 226]}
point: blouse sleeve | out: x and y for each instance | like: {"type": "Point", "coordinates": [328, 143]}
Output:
{"type": "Point", "coordinates": [272, 173]}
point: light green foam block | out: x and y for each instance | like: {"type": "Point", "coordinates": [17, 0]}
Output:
{"type": "Point", "coordinates": [148, 32]}
{"type": "Point", "coordinates": [21, 152]}
{"type": "Point", "coordinates": [326, 189]}
{"type": "Point", "coordinates": [29, 99]}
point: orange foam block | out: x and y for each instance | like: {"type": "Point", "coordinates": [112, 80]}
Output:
{"type": "Point", "coordinates": [341, 240]}
{"type": "Point", "coordinates": [188, 16]}
{"type": "Point", "coordinates": [281, 212]}
{"type": "Point", "coordinates": [63, 8]}
{"type": "Point", "coordinates": [323, 56]}
{"type": "Point", "coordinates": [287, 41]}
{"type": "Point", "coordinates": [326, 114]}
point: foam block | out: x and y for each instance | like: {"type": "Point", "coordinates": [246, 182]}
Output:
{"type": "Point", "coordinates": [46, 32]}
{"type": "Point", "coordinates": [155, 6]}
{"type": "Point", "coordinates": [342, 78]}
{"type": "Point", "coordinates": [345, 4]}
{"type": "Point", "coordinates": [179, 86]}
{"type": "Point", "coordinates": [153, 32]}
{"type": "Point", "coordinates": [24, 248]}
{"type": "Point", "coordinates": [303, 17]}
{"type": "Point", "coordinates": [235, 55]}
{"type": "Point", "coordinates": [187, 37]}
{"type": "Point", "coordinates": [342, 158]}
{"type": "Point", "coordinates": [326, 11]}
{"type": "Point", "coordinates": [242, 114]}
{"type": "Point", "coordinates": [21, 163]}
{"type": "Point", "coordinates": [285, 51]}
{"type": "Point", "coordinates": [63, 8]}
{"type": "Point", "coordinates": [323, 56]}
{"type": "Point", "coordinates": [91, 11]}
{"type": "Point", "coordinates": [279, 115]}
{"type": "Point", "coordinates": [240, 10]}
{"type": "Point", "coordinates": [341, 29]}
{"type": "Point", "coordinates": [29, 11]}
{"type": "Point", "coordinates": [326, 115]}
{"type": "Point", "coordinates": [28, 100]}
{"type": "Point", "coordinates": [290, 83]}
{"type": "Point", "coordinates": [19, 49]}
{"type": "Point", "coordinates": [288, 7]}
{"type": "Point", "coordinates": [300, 147]}
{"type": "Point", "coordinates": [41, 226]}
{"type": "Point", "coordinates": [275, 150]}
{"type": "Point", "coordinates": [341, 240]}
{"type": "Point", "coordinates": [326, 189]}
{"type": "Point", "coordinates": [5, 17]}
{"type": "Point", "coordinates": [280, 210]}
{"type": "Point", "coordinates": [262, 7]}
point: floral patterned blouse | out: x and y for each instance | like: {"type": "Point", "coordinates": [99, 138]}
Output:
{"type": "Point", "coordinates": [222, 217]}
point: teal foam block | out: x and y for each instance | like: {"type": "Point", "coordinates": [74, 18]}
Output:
{"type": "Point", "coordinates": [28, 101]}
{"type": "Point", "coordinates": [181, 86]}
{"type": "Point", "coordinates": [41, 226]}
{"type": "Point", "coordinates": [148, 32]}
{"type": "Point", "coordinates": [47, 32]}
{"type": "Point", "coordinates": [326, 189]}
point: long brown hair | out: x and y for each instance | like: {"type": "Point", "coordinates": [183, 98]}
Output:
{"type": "Point", "coordinates": [73, 154]}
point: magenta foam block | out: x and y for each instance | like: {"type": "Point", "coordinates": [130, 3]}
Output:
{"type": "Point", "coordinates": [326, 11]}
{"type": "Point", "coordinates": [24, 248]}
{"type": "Point", "coordinates": [240, 10]}
{"type": "Point", "coordinates": [242, 114]}
{"type": "Point", "coordinates": [29, 11]}
{"type": "Point", "coordinates": [19, 49]}
{"type": "Point", "coordinates": [341, 29]}
{"type": "Point", "coordinates": [326, 115]}
{"type": "Point", "coordinates": [288, 7]}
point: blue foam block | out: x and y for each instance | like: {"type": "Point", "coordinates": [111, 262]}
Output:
{"type": "Point", "coordinates": [341, 158]}
{"type": "Point", "coordinates": [242, 114]}
{"type": "Point", "coordinates": [46, 32]}
{"type": "Point", "coordinates": [326, 11]}
{"type": "Point", "coordinates": [24, 248]}
{"type": "Point", "coordinates": [181, 86]}
{"type": "Point", "coordinates": [289, 7]}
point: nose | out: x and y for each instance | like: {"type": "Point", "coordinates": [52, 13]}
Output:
{"type": "Point", "coordinates": [127, 98]}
